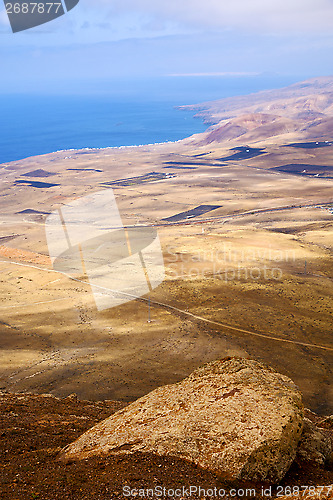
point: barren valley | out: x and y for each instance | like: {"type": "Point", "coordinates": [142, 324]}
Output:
{"type": "Point", "coordinates": [244, 213]}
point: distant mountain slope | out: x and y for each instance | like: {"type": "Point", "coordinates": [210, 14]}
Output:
{"type": "Point", "coordinates": [305, 108]}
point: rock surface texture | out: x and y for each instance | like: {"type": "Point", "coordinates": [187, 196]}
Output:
{"type": "Point", "coordinates": [314, 446]}
{"type": "Point", "coordinates": [235, 417]}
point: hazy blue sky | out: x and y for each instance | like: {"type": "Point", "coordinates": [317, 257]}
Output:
{"type": "Point", "coordinates": [103, 39]}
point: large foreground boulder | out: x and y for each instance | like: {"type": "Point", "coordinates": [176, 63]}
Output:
{"type": "Point", "coordinates": [235, 417]}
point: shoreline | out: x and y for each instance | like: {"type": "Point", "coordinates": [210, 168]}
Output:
{"type": "Point", "coordinates": [115, 148]}
{"type": "Point", "coordinates": [118, 147]}
{"type": "Point", "coordinates": [92, 150]}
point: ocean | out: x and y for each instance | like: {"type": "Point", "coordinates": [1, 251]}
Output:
{"type": "Point", "coordinates": [113, 114]}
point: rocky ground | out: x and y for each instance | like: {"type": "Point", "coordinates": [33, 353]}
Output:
{"type": "Point", "coordinates": [35, 428]}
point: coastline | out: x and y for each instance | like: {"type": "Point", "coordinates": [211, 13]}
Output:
{"type": "Point", "coordinates": [92, 150]}
{"type": "Point", "coordinates": [122, 126]}
{"type": "Point", "coordinates": [118, 120]}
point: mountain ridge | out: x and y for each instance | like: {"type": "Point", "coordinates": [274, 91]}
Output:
{"type": "Point", "coordinates": [305, 108]}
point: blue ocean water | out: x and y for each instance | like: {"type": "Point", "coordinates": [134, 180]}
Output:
{"type": "Point", "coordinates": [119, 113]}
{"type": "Point", "coordinates": [39, 124]}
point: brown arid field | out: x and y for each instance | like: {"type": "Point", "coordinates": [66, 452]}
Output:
{"type": "Point", "coordinates": [251, 278]}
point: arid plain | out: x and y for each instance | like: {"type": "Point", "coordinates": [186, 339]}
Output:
{"type": "Point", "coordinates": [252, 277]}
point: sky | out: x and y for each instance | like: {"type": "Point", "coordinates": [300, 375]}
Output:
{"type": "Point", "coordinates": [100, 40]}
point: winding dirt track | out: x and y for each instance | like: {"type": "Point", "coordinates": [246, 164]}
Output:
{"type": "Point", "coordinates": [180, 311]}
